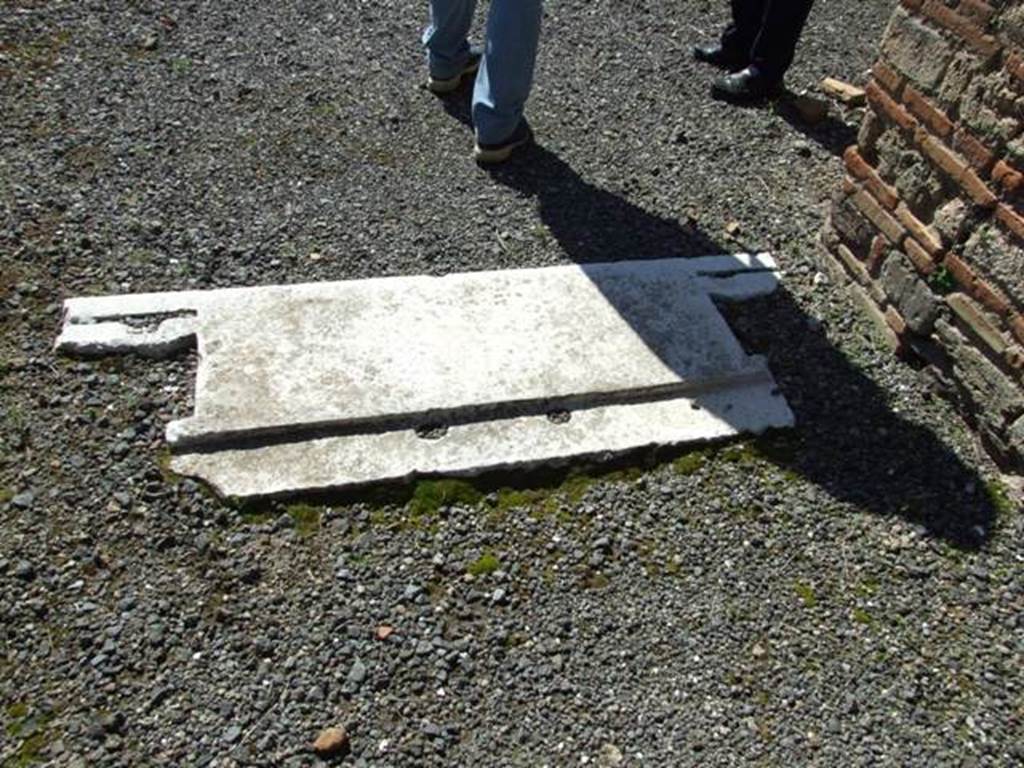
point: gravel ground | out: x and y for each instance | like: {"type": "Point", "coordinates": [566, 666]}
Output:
{"type": "Point", "coordinates": [850, 593]}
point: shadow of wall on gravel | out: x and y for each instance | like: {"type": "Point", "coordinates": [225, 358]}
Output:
{"type": "Point", "coordinates": [847, 440]}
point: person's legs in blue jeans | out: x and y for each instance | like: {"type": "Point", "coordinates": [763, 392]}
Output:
{"type": "Point", "coordinates": [445, 36]}
{"type": "Point", "coordinates": [506, 71]}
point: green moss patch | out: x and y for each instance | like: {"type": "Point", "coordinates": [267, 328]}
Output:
{"type": "Point", "coordinates": [256, 516]}
{"type": "Point", "coordinates": [306, 518]}
{"type": "Point", "coordinates": [163, 461]}
{"type": "Point", "coordinates": [999, 498]}
{"type": "Point", "coordinates": [861, 616]}
{"type": "Point", "coordinates": [430, 495]}
{"type": "Point", "coordinates": [806, 593]}
{"type": "Point", "coordinates": [30, 730]}
{"type": "Point", "coordinates": [486, 564]}
{"type": "Point", "coordinates": [596, 581]}
{"type": "Point", "coordinates": [690, 463]}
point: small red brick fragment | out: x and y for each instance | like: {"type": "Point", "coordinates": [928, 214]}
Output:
{"type": "Point", "coordinates": [853, 265]}
{"type": "Point", "coordinates": [1008, 178]}
{"type": "Point", "coordinates": [1014, 357]}
{"type": "Point", "coordinates": [977, 11]}
{"type": "Point", "coordinates": [962, 273]}
{"type": "Point", "coordinates": [941, 155]}
{"type": "Point", "coordinates": [888, 78]}
{"type": "Point", "coordinates": [977, 154]}
{"type": "Point", "coordinates": [895, 321]}
{"type": "Point", "coordinates": [963, 26]}
{"type": "Point", "coordinates": [976, 188]}
{"type": "Point", "coordinates": [1017, 326]}
{"type": "Point", "coordinates": [886, 106]}
{"type": "Point", "coordinates": [1010, 219]}
{"type": "Point", "coordinates": [992, 298]}
{"type": "Point", "coordinates": [858, 167]}
{"type": "Point", "coordinates": [877, 254]}
{"type": "Point", "coordinates": [878, 216]}
{"type": "Point", "coordinates": [927, 112]}
{"type": "Point", "coordinates": [977, 321]}
{"type": "Point", "coordinates": [919, 256]}
{"type": "Point", "coordinates": [924, 234]}
{"type": "Point", "coordinates": [1015, 66]}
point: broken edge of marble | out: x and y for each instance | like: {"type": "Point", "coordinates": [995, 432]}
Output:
{"type": "Point", "coordinates": [344, 462]}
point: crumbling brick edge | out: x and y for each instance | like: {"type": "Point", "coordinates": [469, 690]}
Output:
{"type": "Point", "coordinates": [928, 224]}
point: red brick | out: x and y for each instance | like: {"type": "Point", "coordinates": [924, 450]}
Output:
{"type": "Point", "coordinates": [1010, 219]}
{"type": "Point", "coordinates": [919, 256]}
{"type": "Point", "coordinates": [872, 310]}
{"type": "Point", "coordinates": [895, 321]}
{"type": "Point", "coordinates": [977, 11]}
{"type": "Point", "coordinates": [975, 187]}
{"type": "Point", "coordinates": [853, 265]}
{"type": "Point", "coordinates": [887, 107]}
{"type": "Point", "coordinates": [888, 78]}
{"type": "Point", "coordinates": [856, 164]}
{"type": "Point", "coordinates": [1015, 66]}
{"type": "Point", "coordinates": [928, 238]}
{"type": "Point", "coordinates": [1014, 357]}
{"type": "Point", "coordinates": [1009, 179]}
{"type": "Point", "coordinates": [942, 156]}
{"type": "Point", "coordinates": [992, 298]}
{"type": "Point", "coordinates": [878, 216]}
{"type": "Point", "coordinates": [951, 163]}
{"type": "Point", "coordinates": [977, 321]}
{"type": "Point", "coordinates": [1017, 326]}
{"type": "Point", "coordinates": [858, 167]}
{"type": "Point", "coordinates": [962, 273]}
{"type": "Point", "coordinates": [926, 112]}
{"type": "Point", "coordinates": [850, 186]}
{"type": "Point", "coordinates": [977, 154]}
{"type": "Point", "coordinates": [969, 30]}
{"type": "Point", "coordinates": [879, 250]}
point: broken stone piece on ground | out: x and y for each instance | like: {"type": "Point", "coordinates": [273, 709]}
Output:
{"type": "Point", "coordinates": [849, 94]}
{"type": "Point", "coordinates": [327, 386]}
{"type": "Point", "coordinates": [331, 742]}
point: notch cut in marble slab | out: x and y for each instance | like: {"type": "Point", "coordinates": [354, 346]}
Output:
{"type": "Point", "coordinates": [327, 382]}
{"type": "Point", "coordinates": [168, 336]}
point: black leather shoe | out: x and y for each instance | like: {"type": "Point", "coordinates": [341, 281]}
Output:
{"type": "Point", "coordinates": [718, 56]}
{"type": "Point", "coordinates": [746, 86]}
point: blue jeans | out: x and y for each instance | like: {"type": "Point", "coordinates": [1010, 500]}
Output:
{"type": "Point", "coordinates": [506, 71]}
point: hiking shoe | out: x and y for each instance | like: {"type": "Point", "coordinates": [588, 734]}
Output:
{"type": "Point", "coordinates": [488, 154]}
{"type": "Point", "coordinates": [449, 84]}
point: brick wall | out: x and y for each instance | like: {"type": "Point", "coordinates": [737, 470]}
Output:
{"type": "Point", "coordinates": [929, 223]}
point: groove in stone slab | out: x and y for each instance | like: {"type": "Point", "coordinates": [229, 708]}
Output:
{"type": "Point", "coordinates": [348, 462]}
{"type": "Point", "coordinates": [181, 439]}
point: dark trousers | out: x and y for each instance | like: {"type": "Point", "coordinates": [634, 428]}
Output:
{"type": "Point", "coordinates": [765, 32]}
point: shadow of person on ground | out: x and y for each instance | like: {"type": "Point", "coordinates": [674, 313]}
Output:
{"type": "Point", "coordinates": [847, 439]}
